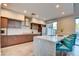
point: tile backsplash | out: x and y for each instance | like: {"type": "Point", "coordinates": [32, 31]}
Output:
{"type": "Point", "coordinates": [19, 31]}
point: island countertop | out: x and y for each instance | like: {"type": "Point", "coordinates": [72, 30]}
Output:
{"type": "Point", "coordinates": [50, 38]}
{"type": "Point", "coordinates": [20, 34]}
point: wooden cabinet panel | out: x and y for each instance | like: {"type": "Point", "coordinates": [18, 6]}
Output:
{"type": "Point", "coordinates": [39, 28]}
{"type": "Point", "coordinates": [16, 39]}
{"type": "Point", "coordinates": [0, 41]}
{"type": "Point", "coordinates": [4, 41]}
{"type": "Point", "coordinates": [0, 22]}
{"type": "Point", "coordinates": [11, 40]}
{"type": "Point", "coordinates": [14, 23]}
{"type": "Point", "coordinates": [9, 23]}
{"type": "Point", "coordinates": [4, 22]}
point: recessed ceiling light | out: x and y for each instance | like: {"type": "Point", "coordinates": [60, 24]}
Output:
{"type": "Point", "coordinates": [25, 11]}
{"type": "Point", "coordinates": [57, 6]}
{"type": "Point", "coordinates": [5, 5]}
{"type": "Point", "coordinates": [63, 13]}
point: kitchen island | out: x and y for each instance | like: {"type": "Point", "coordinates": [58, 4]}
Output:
{"type": "Point", "coordinates": [45, 45]}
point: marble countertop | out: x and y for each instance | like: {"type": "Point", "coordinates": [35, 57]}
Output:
{"type": "Point", "coordinates": [21, 34]}
{"type": "Point", "coordinates": [50, 38]}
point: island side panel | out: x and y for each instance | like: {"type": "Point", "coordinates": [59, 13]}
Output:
{"type": "Point", "coordinates": [44, 48]}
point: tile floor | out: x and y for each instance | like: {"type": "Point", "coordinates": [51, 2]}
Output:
{"type": "Point", "coordinates": [77, 41]}
{"type": "Point", "coordinates": [75, 51]}
{"type": "Point", "coordinates": [24, 49]}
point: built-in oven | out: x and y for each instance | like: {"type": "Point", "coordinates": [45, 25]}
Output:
{"type": "Point", "coordinates": [3, 31]}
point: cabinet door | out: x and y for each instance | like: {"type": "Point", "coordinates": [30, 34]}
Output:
{"type": "Point", "coordinates": [14, 24]}
{"type": "Point", "coordinates": [4, 22]}
{"type": "Point", "coordinates": [4, 41]}
{"type": "Point", "coordinates": [0, 22]}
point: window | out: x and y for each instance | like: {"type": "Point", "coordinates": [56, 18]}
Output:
{"type": "Point", "coordinates": [51, 28]}
{"type": "Point", "coordinates": [54, 25]}
{"type": "Point", "coordinates": [77, 26]}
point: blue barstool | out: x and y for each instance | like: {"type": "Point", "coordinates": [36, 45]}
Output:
{"type": "Point", "coordinates": [65, 46]}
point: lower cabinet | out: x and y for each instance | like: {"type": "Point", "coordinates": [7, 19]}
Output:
{"type": "Point", "coordinates": [15, 39]}
{"type": "Point", "coordinates": [4, 41]}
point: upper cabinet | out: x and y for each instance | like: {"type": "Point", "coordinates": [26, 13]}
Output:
{"type": "Point", "coordinates": [12, 14]}
{"type": "Point", "coordinates": [4, 22]}
{"type": "Point", "coordinates": [38, 21]}
{"type": "Point", "coordinates": [11, 19]}
{"type": "Point", "coordinates": [10, 23]}
{"type": "Point", "coordinates": [27, 21]}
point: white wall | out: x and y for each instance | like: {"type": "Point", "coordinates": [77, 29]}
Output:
{"type": "Point", "coordinates": [67, 24]}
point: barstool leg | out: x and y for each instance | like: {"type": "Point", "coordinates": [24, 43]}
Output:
{"type": "Point", "coordinates": [61, 53]}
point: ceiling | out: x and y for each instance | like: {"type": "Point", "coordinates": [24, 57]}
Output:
{"type": "Point", "coordinates": [46, 11]}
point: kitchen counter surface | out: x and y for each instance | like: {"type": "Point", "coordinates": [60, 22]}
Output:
{"type": "Point", "coordinates": [50, 38]}
{"type": "Point", "coordinates": [20, 34]}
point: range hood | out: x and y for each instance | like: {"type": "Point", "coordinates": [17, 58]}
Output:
{"type": "Point", "coordinates": [37, 21]}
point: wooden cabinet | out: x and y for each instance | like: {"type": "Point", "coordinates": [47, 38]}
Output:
{"type": "Point", "coordinates": [37, 26]}
{"type": "Point", "coordinates": [16, 39]}
{"type": "Point", "coordinates": [4, 22]}
{"type": "Point", "coordinates": [4, 41]}
{"type": "Point", "coordinates": [0, 22]}
{"type": "Point", "coordinates": [9, 23]}
{"type": "Point", "coordinates": [0, 41]}
{"type": "Point", "coordinates": [14, 23]}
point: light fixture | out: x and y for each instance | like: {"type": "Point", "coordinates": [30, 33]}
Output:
{"type": "Point", "coordinates": [57, 6]}
{"type": "Point", "coordinates": [5, 5]}
{"type": "Point", "coordinates": [63, 13]}
{"type": "Point", "coordinates": [25, 11]}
